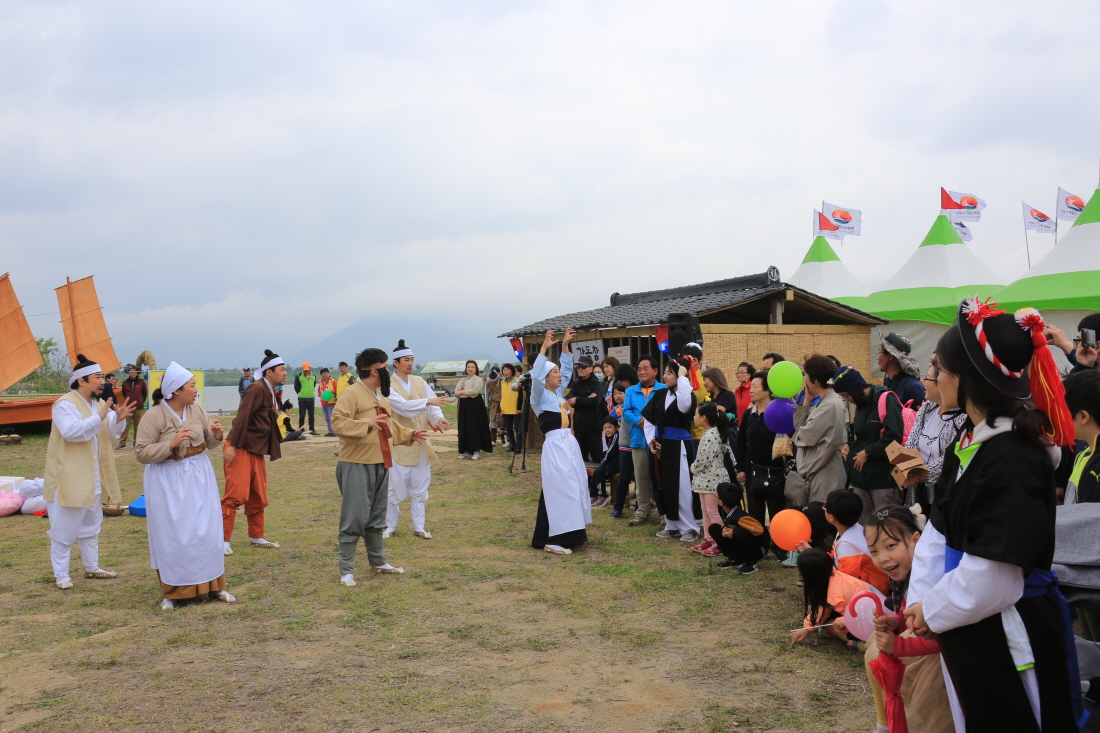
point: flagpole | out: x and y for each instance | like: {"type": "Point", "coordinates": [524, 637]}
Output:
{"type": "Point", "coordinates": [1027, 247]}
{"type": "Point", "coordinates": [1057, 204]}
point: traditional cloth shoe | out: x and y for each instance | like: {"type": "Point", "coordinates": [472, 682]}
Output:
{"type": "Point", "coordinates": [223, 596]}
{"type": "Point", "coordinates": [167, 604]}
{"type": "Point", "coordinates": [64, 584]}
{"type": "Point", "coordinates": [388, 570]}
{"type": "Point", "coordinates": [264, 544]}
{"type": "Point", "coordinates": [100, 574]}
{"type": "Point", "coordinates": [425, 535]}
{"type": "Point", "coordinates": [348, 580]}
{"type": "Point", "coordinates": [226, 549]}
{"type": "Point", "coordinates": [388, 533]}
{"type": "Point", "coordinates": [558, 550]}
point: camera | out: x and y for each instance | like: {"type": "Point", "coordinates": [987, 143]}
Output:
{"type": "Point", "coordinates": [1088, 338]}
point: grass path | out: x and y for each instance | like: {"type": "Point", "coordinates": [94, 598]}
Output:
{"type": "Point", "coordinates": [632, 633]}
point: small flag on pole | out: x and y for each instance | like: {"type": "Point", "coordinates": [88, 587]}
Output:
{"type": "Point", "coordinates": [825, 228]}
{"type": "Point", "coordinates": [849, 221]}
{"type": "Point", "coordinates": [964, 231]}
{"type": "Point", "coordinates": [1069, 206]}
{"type": "Point", "coordinates": [968, 207]}
{"type": "Point", "coordinates": [1037, 221]}
{"type": "Point", "coordinates": [946, 202]}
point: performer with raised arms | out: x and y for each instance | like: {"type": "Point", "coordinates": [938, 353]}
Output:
{"type": "Point", "coordinates": [412, 464]}
{"type": "Point", "coordinates": [80, 465]}
{"type": "Point", "coordinates": [564, 504]}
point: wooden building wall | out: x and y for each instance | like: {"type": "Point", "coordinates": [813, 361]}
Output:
{"type": "Point", "coordinates": [727, 345]}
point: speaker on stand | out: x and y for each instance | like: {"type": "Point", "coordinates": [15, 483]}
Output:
{"type": "Point", "coordinates": [683, 328]}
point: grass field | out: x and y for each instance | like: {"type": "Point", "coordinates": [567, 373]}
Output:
{"type": "Point", "coordinates": [632, 633]}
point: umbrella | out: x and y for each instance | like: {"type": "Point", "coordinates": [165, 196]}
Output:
{"type": "Point", "coordinates": [889, 671]}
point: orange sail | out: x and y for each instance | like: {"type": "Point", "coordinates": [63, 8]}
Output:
{"type": "Point", "coordinates": [82, 319]}
{"type": "Point", "coordinates": [19, 354]}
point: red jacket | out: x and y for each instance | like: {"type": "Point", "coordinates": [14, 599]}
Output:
{"type": "Point", "coordinates": [741, 392]}
{"type": "Point", "coordinates": [136, 391]}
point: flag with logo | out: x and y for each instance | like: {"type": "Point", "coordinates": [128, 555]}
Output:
{"type": "Point", "coordinates": [825, 228]}
{"type": "Point", "coordinates": [963, 206]}
{"type": "Point", "coordinates": [1036, 220]}
{"type": "Point", "coordinates": [1069, 206]}
{"type": "Point", "coordinates": [964, 231]}
{"type": "Point", "coordinates": [847, 220]}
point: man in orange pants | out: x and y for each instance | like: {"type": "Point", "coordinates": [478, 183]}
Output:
{"type": "Point", "coordinates": [253, 436]}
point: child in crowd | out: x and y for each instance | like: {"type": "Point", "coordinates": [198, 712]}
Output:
{"type": "Point", "coordinates": [891, 535]}
{"type": "Point", "coordinates": [709, 469]}
{"type": "Point", "coordinates": [822, 534]}
{"type": "Point", "coordinates": [849, 553]}
{"type": "Point", "coordinates": [826, 592]}
{"type": "Point", "coordinates": [287, 432]}
{"type": "Point", "coordinates": [626, 458]}
{"type": "Point", "coordinates": [740, 537]}
{"type": "Point", "coordinates": [609, 466]}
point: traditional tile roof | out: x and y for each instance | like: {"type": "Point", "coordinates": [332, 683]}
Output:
{"type": "Point", "coordinates": [653, 307]}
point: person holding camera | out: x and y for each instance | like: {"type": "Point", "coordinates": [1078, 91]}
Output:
{"type": "Point", "coordinates": [1081, 351]}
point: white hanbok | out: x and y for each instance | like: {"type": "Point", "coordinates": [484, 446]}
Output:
{"type": "Point", "coordinates": [184, 516]}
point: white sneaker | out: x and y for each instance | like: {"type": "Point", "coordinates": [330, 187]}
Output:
{"type": "Point", "coordinates": [226, 549]}
{"type": "Point", "coordinates": [475, 456]}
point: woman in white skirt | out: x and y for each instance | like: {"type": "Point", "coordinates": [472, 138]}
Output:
{"type": "Point", "coordinates": [181, 492]}
{"type": "Point", "coordinates": [564, 505]}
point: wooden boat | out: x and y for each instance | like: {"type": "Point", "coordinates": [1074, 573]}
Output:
{"type": "Point", "coordinates": [85, 333]}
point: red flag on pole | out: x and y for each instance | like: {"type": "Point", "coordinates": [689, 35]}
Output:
{"type": "Point", "coordinates": [946, 202]}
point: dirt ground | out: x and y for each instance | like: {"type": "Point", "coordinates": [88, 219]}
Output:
{"type": "Point", "coordinates": [631, 633]}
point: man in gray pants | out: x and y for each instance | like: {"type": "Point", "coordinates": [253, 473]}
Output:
{"type": "Point", "coordinates": [361, 419]}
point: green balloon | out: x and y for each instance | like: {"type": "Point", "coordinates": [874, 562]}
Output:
{"type": "Point", "coordinates": [785, 379]}
{"type": "Point", "coordinates": [327, 395]}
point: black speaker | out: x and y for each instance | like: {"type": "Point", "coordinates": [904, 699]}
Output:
{"type": "Point", "coordinates": [683, 328]}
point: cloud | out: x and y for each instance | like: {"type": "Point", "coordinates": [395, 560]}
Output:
{"type": "Point", "coordinates": [238, 173]}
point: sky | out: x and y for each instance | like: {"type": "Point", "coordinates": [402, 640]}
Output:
{"type": "Point", "coordinates": [248, 175]}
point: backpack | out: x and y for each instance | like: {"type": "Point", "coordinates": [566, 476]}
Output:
{"type": "Point", "coordinates": [908, 416]}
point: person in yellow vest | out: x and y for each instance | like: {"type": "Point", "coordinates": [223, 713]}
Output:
{"type": "Point", "coordinates": [412, 469]}
{"type": "Point", "coordinates": [345, 380]}
{"type": "Point", "coordinates": [80, 466]}
{"type": "Point", "coordinates": [368, 434]}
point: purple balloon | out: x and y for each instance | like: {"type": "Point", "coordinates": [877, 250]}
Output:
{"type": "Point", "coordinates": [779, 416]}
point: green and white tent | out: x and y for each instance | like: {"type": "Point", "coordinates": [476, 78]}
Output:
{"type": "Point", "coordinates": [823, 273]}
{"type": "Point", "coordinates": [922, 299]}
{"type": "Point", "coordinates": [1064, 285]}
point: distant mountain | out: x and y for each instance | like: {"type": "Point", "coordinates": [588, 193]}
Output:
{"type": "Point", "coordinates": [429, 342]}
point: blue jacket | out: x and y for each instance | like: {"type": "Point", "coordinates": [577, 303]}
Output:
{"type": "Point", "coordinates": [632, 412]}
{"type": "Point", "coordinates": [907, 388]}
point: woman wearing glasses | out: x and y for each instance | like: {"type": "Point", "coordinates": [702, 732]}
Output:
{"type": "Point", "coordinates": [933, 434]}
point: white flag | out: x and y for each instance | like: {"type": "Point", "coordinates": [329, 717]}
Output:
{"type": "Point", "coordinates": [971, 210]}
{"type": "Point", "coordinates": [1037, 221]}
{"type": "Point", "coordinates": [1069, 206]}
{"type": "Point", "coordinates": [847, 220]}
{"type": "Point", "coordinates": [823, 227]}
{"type": "Point", "coordinates": [964, 231]}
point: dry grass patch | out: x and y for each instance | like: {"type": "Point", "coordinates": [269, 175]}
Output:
{"type": "Point", "coordinates": [630, 633]}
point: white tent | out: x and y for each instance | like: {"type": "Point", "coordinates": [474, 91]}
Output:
{"type": "Point", "coordinates": [823, 273]}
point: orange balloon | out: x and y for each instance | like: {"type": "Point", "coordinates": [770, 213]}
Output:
{"type": "Point", "coordinates": [788, 528]}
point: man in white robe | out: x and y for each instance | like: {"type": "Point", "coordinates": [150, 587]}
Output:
{"type": "Point", "coordinates": [412, 469]}
{"type": "Point", "coordinates": [79, 465]}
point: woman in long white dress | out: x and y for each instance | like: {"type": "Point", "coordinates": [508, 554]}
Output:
{"type": "Point", "coordinates": [181, 492]}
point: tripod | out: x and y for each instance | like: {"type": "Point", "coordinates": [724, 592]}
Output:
{"type": "Point", "coordinates": [524, 390]}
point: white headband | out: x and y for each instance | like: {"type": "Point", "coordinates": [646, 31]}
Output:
{"type": "Point", "coordinates": [402, 353]}
{"type": "Point", "coordinates": [271, 364]}
{"type": "Point", "coordinates": [84, 372]}
{"type": "Point", "coordinates": [174, 377]}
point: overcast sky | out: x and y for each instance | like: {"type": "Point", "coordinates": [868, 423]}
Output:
{"type": "Point", "coordinates": [241, 176]}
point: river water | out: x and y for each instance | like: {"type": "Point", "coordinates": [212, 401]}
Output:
{"type": "Point", "coordinates": [226, 398]}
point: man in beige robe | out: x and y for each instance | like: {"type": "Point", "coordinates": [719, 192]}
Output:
{"type": "Point", "coordinates": [80, 465]}
{"type": "Point", "coordinates": [411, 474]}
